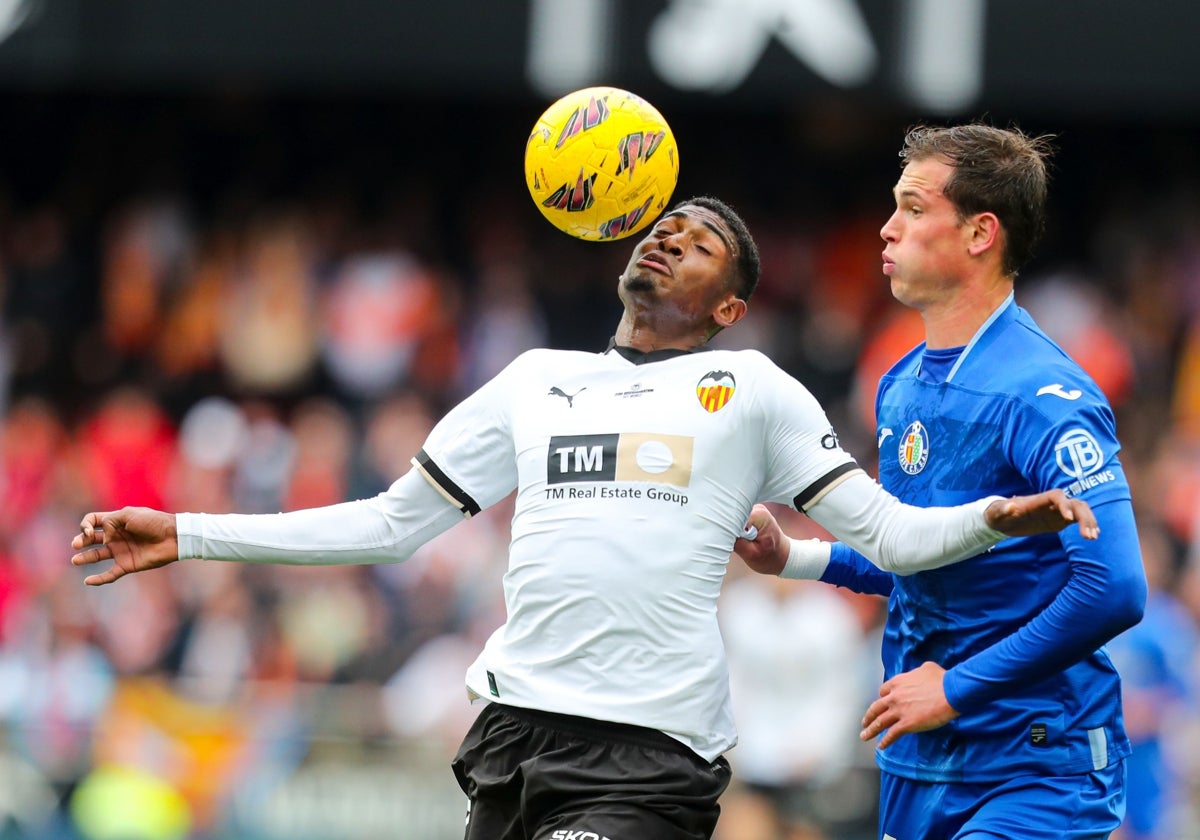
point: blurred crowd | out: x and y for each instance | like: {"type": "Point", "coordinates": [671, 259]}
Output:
{"type": "Point", "coordinates": [257, 307]}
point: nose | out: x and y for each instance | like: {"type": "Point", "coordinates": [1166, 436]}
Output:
{"type": "Point", "coordinates": [888, 231]}
{"type": "Point", "coordinates": [672, 244]}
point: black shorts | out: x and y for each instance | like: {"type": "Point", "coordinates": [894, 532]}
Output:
{"type": "Point", "coordinates": [532, 775]}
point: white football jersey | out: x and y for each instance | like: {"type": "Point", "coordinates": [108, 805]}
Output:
{"type": "Point", "coordinates": [634, 477]}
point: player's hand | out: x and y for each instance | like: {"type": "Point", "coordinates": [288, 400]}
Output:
{"type": "Point", "coordinates": [134, 538]}
{"type": "Point", "coordinates": [1042, 513]}
{"type": "Point", "coordinates": [910, 702]}
{"type": "Point", "coordinates": [765, 547]}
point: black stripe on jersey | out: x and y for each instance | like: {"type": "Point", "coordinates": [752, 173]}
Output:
{"type": "Point", "coordinates": [822, 484]}
{"type": "Point", "coordinates": [455, 493]}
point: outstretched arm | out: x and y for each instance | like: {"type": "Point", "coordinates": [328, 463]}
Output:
{"type": "Point", "coordinates": [904, 539]}
{"type": "Point", "coordinates": [383, 529]}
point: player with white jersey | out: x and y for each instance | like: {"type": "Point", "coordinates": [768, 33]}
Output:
{"type": "Point", "coordinates": [635, 470]}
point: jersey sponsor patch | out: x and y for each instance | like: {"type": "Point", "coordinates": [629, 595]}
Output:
{"type": "Point", "coordinates": [631, 456]}
{"type": "Point", "coordinates": [715, 390]}
{"type": "Point", "coordinates": [1080, 457]}
{"type": "Point", "coordinates": [914, 448]}
{"type": "Point", "coordinates": [1078, 454]}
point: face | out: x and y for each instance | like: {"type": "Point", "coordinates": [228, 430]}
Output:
{"type": "Point", "coordinates": [683, 263]}
{"type": "Point", "coordinates": [926, 254]}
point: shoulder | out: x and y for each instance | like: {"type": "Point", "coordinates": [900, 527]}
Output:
{"type": "Point", "coordinates": [906, 364]}
{"type": "Point", "coordinates": [749, 362]}
{"type": "Point", "coordinates": [752, 369]}
{"type": "Point", "coordinates": [546, 360]}
{"type": "Point", "coordinates": [1030, 366]}
{"type": "Point", "coordinates": [769, 391]}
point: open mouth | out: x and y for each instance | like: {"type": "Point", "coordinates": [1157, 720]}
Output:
{"type": "Point", "coordinates": [655, 260]}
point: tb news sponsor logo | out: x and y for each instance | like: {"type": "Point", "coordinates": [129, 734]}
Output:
{"type": "Point", "coordinates": [1080, 457]}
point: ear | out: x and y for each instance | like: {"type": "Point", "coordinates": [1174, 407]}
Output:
{"type": "Point", "coordinates": [729, 311]}
{"type": "Point", "coordinates": [984, 230]}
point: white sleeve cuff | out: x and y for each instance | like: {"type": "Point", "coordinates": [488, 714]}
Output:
{"type": "Point", "coordinates": [188, 536]}
{"type": "Point", "coordinates": [807, 560]}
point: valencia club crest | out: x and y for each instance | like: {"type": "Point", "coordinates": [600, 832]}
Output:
{"type": "Point", "coordinates": [715, 390]}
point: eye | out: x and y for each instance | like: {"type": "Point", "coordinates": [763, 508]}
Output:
{"type": "Point", "coordinates": [704, 249]}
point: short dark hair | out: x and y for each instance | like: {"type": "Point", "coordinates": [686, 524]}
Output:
{"type": "Point", "coordinates": [996, 170]}
{"type": "Point", "coordinates": [748, 267]}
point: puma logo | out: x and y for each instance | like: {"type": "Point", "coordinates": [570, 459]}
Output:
{"type": "Point", "coordinates": [570, 398]}
{"type": "Point", "coordinates": [884, 434]}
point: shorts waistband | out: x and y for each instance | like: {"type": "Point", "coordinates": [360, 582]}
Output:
{"type": "Point", "coordinates": [600, 730]}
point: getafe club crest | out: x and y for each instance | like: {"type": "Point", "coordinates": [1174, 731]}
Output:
{"type": "Point", "coordinates": [715, 390]}
{"type": "Point", "coordinates": [914, 448]}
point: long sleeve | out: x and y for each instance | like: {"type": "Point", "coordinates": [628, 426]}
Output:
{"type": "Point", "coordinates": [849, 569]}
{"type": "Point", "coordinates": [385, 529]}
{"type": "Point", "coordinates": [898, 537]}
{"type": "Point", "coordinates": [1105, 595]}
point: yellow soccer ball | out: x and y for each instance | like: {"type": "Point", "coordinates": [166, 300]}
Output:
{"type": "Point", "coordinates": [601, 163]}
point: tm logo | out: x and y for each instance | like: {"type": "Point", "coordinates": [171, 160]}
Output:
{"type": "Point", "coordinates": [631, 456]}
{"type": "Point", "coordinates": [582, 458]}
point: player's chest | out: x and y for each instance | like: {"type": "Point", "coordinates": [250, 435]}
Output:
{"type": "Point", "coordinates": [651, 421]}
{"type": "Point", "coordinates": [929, 434]}
{"type": "Point", "coordinates": [693, 399]}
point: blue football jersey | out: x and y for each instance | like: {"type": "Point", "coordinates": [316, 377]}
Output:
{"type": "Point", "coordinates": [1019, 628]}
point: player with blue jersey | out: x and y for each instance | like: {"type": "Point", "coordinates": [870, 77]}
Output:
{"type": "Point", "coordinates": [1000, 713]}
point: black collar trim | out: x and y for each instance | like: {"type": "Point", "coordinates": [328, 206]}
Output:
{"type": "Point", "coordinates": [639, 357]}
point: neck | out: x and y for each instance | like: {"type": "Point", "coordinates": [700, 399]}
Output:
{"type": "Point", "coordinates": [954, 322]}
{"type": "Point", "coordinates": [645, 337]}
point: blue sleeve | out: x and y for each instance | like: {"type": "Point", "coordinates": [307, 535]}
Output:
{"type": "Point", "coordinates": [855, 572]}
{"type": "Point", "coordinates": [1105, 595]}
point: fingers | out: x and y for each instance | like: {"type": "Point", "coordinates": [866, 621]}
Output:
{"type": "Point", "coordinates": [90, 530]}
{"type": "Point", "coordinates": [758, 519]}
{"type": "Point", "coordinates": [90, 548]}
{"type": "Point", "coordinates": [894, 731]}
{"type": "Point", "coordinates": [107, 576]}
{"type": "Point", "coordinates": [1052, 510]}
{"type": "Point", "coordinates": [92, 555]}
{"type": "Point", "coordinates": [1063, 504]}
{"type": "Point", "coordinates": [1089, 528]}
{"type": "Point", "coordinates": [1076, 510]}
{"type": "Point", "coordinates": [880, 717]}
{"type": "Point", "coordinates": [755, 524]}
